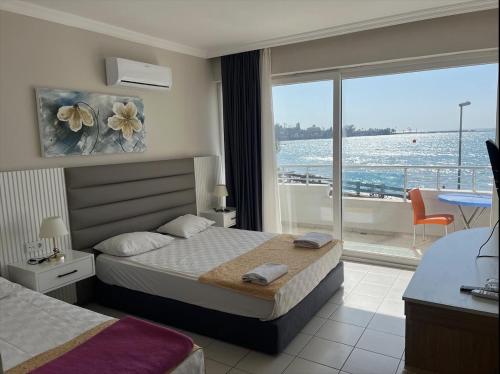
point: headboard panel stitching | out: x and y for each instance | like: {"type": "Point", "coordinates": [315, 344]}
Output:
{"type": "Point", "coordinates": [90, 196]}
{"type": "Point", "coordinates": [132, 217]}
{"type": "Point", "coordinates": [133, 199]}
{"type": "Point", "coordinates": [104, 222]}
{"type": "Point", "coordinates": [129, 181]}
{"type": "Point", "coordinates": [119, 173]}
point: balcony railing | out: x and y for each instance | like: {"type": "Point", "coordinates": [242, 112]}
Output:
{"type": "Point", "coordinates": [396, 181]}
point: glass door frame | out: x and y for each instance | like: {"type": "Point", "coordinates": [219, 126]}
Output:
{"type": "Point", "coordinates": [335, 77]}
{"type": "Point", "coordinates": [468, 58]}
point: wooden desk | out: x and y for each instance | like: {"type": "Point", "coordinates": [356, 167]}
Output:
{"type": "Point", "coordinates": [448, 331]}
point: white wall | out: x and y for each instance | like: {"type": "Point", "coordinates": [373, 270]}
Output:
{"type": "Point", "coordinates": [306, 205]}
{"type": "Point", "coordinates": [38, 53]}
{"type": "Point", "coordinates": [35, 53]}
{"type": "Point", "coordinates": [437, 36]}
{"type": "Point", "coordinates": [310, 205]}
{"type": "Point", "coordinates": [452, 34]}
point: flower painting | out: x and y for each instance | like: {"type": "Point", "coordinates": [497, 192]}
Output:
{"type": "Point", "coordinates": [84, 123]}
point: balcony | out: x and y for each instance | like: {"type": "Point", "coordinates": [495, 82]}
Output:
{"type": "Point", "coordinates": [377, 217]}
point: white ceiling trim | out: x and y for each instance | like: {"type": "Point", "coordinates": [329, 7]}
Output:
{"type": "Point", "coordinates": [443, 11]}
{"type": "Point", "coordinates": [68, 19]}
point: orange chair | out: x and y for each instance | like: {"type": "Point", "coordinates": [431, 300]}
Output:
{"type": "Point", "coordinates": [420, 218]}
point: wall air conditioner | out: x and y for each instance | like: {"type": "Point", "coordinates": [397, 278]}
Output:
{"type": "Point", "coordinates": [122, 72]}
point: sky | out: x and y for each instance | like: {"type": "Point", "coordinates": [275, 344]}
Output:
{"type": "Point", "coordinates": [424, 101]}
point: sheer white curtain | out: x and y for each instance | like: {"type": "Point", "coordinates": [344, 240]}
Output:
{"type": "Point", "coordinates": [271, 217]}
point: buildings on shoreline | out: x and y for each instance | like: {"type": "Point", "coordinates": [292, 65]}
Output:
{"type": "Point", "coordinates": [296, 132]}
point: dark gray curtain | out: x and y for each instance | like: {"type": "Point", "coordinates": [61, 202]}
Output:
{"type": "Point", "coordinates": [241, 101]}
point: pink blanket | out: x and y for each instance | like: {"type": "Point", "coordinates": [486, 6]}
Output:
{"type": "Point", "coordinates": [128, 346]}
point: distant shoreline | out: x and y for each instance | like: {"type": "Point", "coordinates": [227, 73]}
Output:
{"type": "Point", "coordinates": [395, 133]}
{"type": "Point", "coordinates": [441, 131]}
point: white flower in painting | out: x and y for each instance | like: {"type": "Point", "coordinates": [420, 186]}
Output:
{"type": "Point", "coordinates": [125, 119]}
{"type": "Point", "coordinates": [76, 116]}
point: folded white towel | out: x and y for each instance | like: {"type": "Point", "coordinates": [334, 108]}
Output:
{"type": "Point", "coordinates": [313, 240]}
{"type": "Point", "coordinates": [265, 273]}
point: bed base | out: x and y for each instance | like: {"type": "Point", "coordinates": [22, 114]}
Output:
{"type": "Point", "coordinates": [270, 337]}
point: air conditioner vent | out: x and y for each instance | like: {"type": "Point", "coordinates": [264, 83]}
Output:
{"type": "Point", "coordinates": [122, 72]}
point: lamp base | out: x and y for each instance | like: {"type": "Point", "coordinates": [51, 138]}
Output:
{"type": "Point", "coordinates": [221, 210]}
{"type": "Point", "coordinates": [57, 256]}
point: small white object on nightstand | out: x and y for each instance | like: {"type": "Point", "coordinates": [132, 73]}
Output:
{"type": "Point", "coordinates": [222, 219]}
{"type": "Point", "coordinates": [49, 276]}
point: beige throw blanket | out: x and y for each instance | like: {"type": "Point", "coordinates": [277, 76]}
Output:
{"type": "Point", "coordinates": [280, 250]}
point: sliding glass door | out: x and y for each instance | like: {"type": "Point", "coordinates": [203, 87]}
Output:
{"type": "Point", "coordinates": [350, 144]}
{"type": "Point", "coordinates": [305, 128]}
{"type": "Point", "coordinates": [426, 130]}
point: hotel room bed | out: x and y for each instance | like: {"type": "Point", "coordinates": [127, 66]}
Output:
{"type": "Point", "coordinates": [173, 272]}
{"type": "Point", "coordinates": [32, 323]}
{"type": "Point", "coordinates": [162, 285]}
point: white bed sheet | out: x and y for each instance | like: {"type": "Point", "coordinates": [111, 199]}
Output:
{"type": "Point", "coordinates": [173, 271]}
{"type": "Point", "coordinates": [32, 323]}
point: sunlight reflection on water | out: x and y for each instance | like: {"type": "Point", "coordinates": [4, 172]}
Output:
{"type": "Point", "coordinates": [428, 149]}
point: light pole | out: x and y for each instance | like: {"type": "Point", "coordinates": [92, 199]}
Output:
{"type": "Point", "coordinates": [461, 105]}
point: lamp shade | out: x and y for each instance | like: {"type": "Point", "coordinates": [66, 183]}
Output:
{"type": "Point", "coordinates": [52, 227]}
{"type": "Point", "coordinates": [220, 190]}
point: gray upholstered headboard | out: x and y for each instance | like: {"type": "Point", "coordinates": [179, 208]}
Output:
{"type": "Point", "coordinates": [108, 200]}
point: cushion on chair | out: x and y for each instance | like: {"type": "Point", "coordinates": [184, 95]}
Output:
{"type": "Point", "coordinates": [436, 219]}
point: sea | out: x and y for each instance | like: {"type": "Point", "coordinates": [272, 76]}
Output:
{"type": "Point", "coordinates": [409, 149]}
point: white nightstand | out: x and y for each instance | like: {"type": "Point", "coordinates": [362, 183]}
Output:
{"type": "Point", "coordinates": [49, 276]}
{"type": "Point", "coordinates": [222, 219]}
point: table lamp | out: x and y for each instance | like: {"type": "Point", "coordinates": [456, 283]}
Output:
{"type": "Point", "coordinates": [220, 191]}
{"type": "Point", "coordinates": [51, 228]}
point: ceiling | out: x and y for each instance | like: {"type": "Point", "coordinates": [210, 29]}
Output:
{"type": "Point", "coordinates": [209, 28]}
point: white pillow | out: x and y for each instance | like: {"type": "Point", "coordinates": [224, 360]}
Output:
{"type": "Point", "coordinates": [185, 226]}
{"type": "Point", "coordinates": [133, 243]}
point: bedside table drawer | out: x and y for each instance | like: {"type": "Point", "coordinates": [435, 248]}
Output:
{"type": "Point", "coordinates": [65, 274]}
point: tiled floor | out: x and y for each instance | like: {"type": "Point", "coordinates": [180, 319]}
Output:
{"type": "Point", "coordinates": [388, 244]}
{"type": "Point", "coordinates": [395, 245]}
{"type": "Point", "coordinates": [359, 331]}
